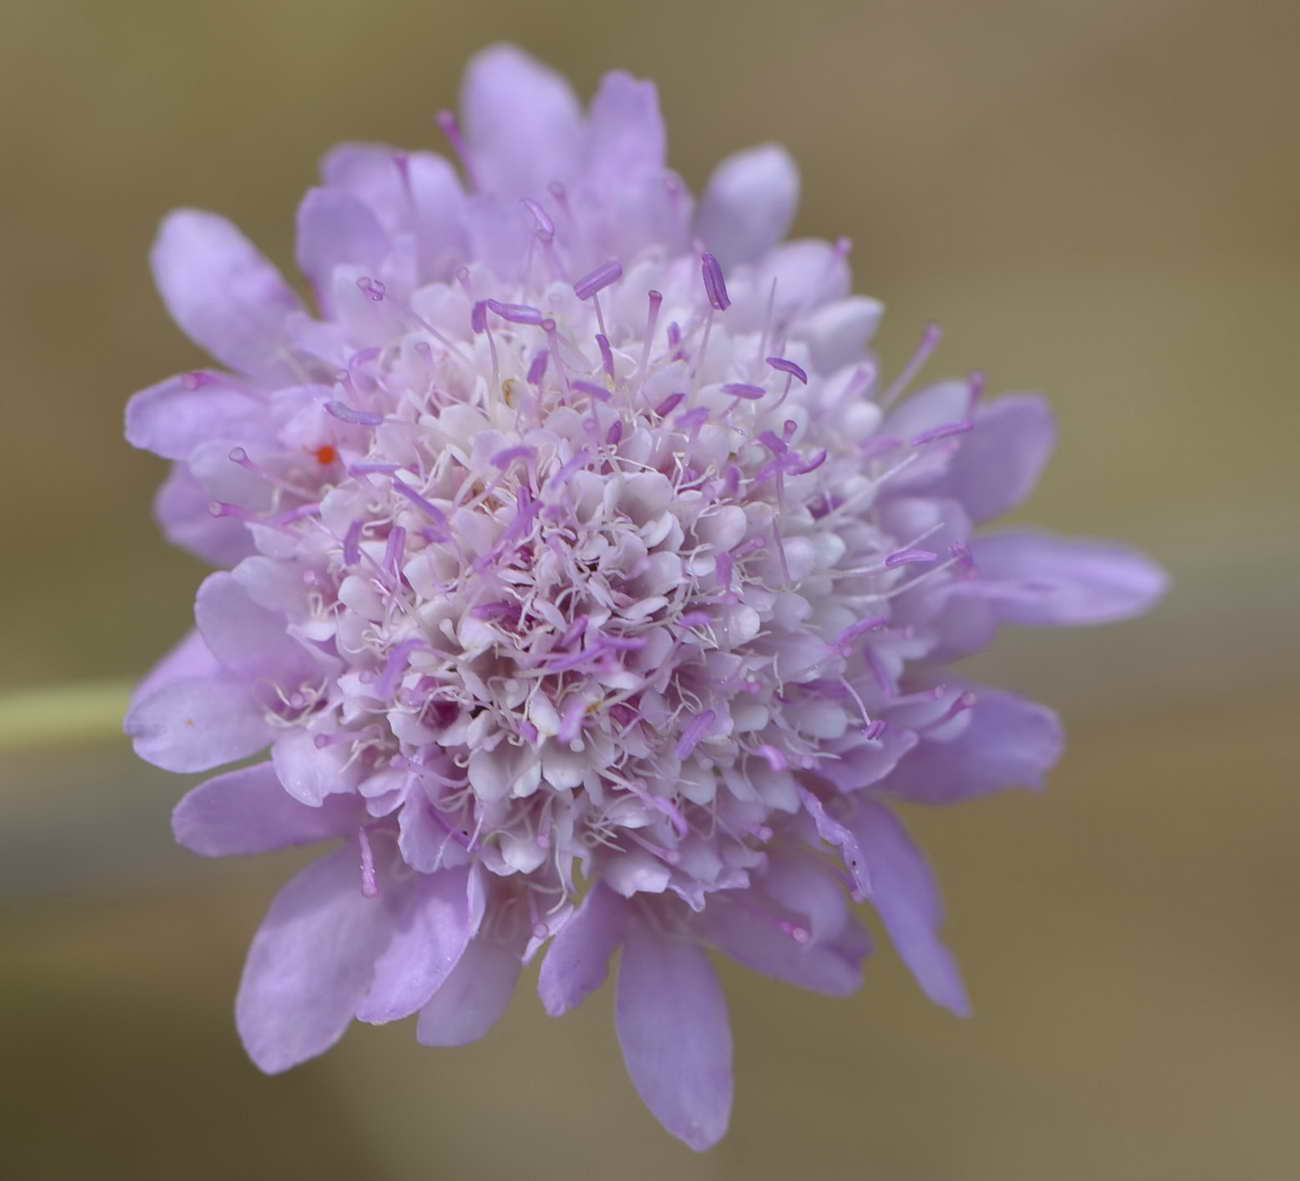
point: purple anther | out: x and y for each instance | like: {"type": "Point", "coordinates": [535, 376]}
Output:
{"type": "Point", "coordinates": [879, 445]}
{"type": "Point", "coordinates": [669, 404]}
{"type": "Point", "coordinates": [615, 432]}
{"type": "Point", "coordinates": [574, 631]}
{"type": "Point", "coordinates": [395, 667]}
{"type": "Point", "coordinates": [432, 511]}
{"type": "Point", "coordinates": [395, 550]}
{"type": "Point", "coordinates": [942, 432]}
{"type": "Point", "coordinates": [744, 389]}
{"type": "Point", "coordinates": [345, 413]}
{"type": "Point", "coordinates": [372, 289]}
{"type": "Point", "coordinates": [537, 370]}
{"type": "Point", "coordinates": [695, 730]}
{"type": "Point", "coordinates": [674, 334]}
{"type": "Point", "coordinates": [812, 465]}
{"type": "Point", "coordinates": [478, 316]}
{"type": "Point", "coordinates": [784, 366]}
{"type": "Point", "coordinates": [516, 313]}
{"type": "Point", "coordinates": [363, 357]}
{"type": "Point", "coordinates": [606, 354]}
{"type": "Point", "coordinates": [598, 280]}
{"type": "Point", "coordinates": [692, 419]}
{"type": "Point", "coordinates": [503, 459]}
{"type": "Point", "coordinates": [599, 392]}
{"type": "Point", "coordinates": [714, 284]}
{"type": "Point", "coordinates": [569, 468]}
{"type": "Point", "coordinates": [775, 758]}
{"type": "Point", "coordinates": [876, 730]}
{"type": "Point", "coordinates": [854, 630]}
{"type": "Point", "coordinates": [352, 543]}
{"type": "Point", "coordinates": [571, 720]}
{"type": "Point", "coordinates": [908, 557]}
{"type": "Point", "coordinates": [545, 226]}
{"type": "Point", "coordinates": [373, 469]}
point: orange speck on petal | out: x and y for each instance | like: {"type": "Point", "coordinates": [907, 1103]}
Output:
{"type": "Point", "coordinates": [325, 454]}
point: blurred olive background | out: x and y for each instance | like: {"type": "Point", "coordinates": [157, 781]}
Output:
{"type": "Point", "coordinates": [1096, 199]}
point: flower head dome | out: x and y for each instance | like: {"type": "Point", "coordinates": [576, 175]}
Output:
{"type": "Point", "coordinates": [586, 579]}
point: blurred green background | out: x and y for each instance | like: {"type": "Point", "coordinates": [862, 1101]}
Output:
{"type": "Point", "coordinates": [1097, 199]}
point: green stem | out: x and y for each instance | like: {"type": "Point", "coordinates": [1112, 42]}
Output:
{"type": "Point", "coordinates": [83, 712]}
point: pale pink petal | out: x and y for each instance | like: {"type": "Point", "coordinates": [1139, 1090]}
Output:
{"type": "Point", "coordinates": [196, 724]}
{"type": "Point", "coordinates": [183, 509]}
{"type": "Point", "coordinates": [243, 636]}
{"type": "Point", "coordinates": [247, 811]}
{"type": "Point", "coordinates": [675, 1033]}
{"type": "Point", "coordinates": [1039, 578]}
{"type": "Point", "coordinates": [749, 204]}
{"type": "Point", "coordinates": [310, 963]}
{"type": "Point", "coordinates": [473, 998]}
{"type": "Point", "coordinates": [190, 658]}
{"type": "Point", "coordinates": [336, 228]}
{"type": "Point", "coordinates": [906, 896]}
{"type": "Point", "coordinates": [522, 122]}
{"type": "Point", "coordinates": [625, 131]}
{"type": "Point", "coordinates": [578, 960]}
{"type": "Point", "coordinates": [220, 290]}
{"type": "Point", "coordinates": [430, 916]}
{"type": "Point", "coordinates": [416, 193]}
{"type": "Point", "coordinates": [833, 968]}
{"type": "Point", "coordinates": [1009, 742]}
{"type": "Point", "coordinates": [1001, 458]}
{"type": "Point", "coordinates": [172, 418]}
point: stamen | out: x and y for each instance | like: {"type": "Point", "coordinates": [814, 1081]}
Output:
{"type": "Point", "coordinates": [345, 413]}
{"type": "Point", "coordinates": [373, 289]}
{"type": "Point", "coordinates": [432, 511]}
{"type": "Point", "coordinates": [942, 432]}
{"type": "Point", "coordinates": [929, 340]}
{"type": "Point", "coordinates": [545, 226]}
{"type": "Point", "coordinates": [744, 389]}
{"type": "Point", "coordinates": [516, 313]}
{"type": "Point", "coordinates": [715, 286]}
{"type": "Point", "coordinates": [606, 353]}
{"type": "Point", "coordinates": [394, 551]}
{"type": "Point", "coordinates": [695, 730]}
{"type": "Point", "coordinates": [908, 557]}
{"type": "Point", "coordinates": [784, 366]}
{"type": "Point", "coordinates": [503, 459]}
{"type": "Point", "coordinates": [597, 280]}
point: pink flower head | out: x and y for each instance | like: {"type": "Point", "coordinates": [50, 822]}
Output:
{"type": "Point", "coordinates": [586, 583]}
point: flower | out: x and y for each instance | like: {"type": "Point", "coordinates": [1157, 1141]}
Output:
{"type": "Point", "coordinates": [587, 582]}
